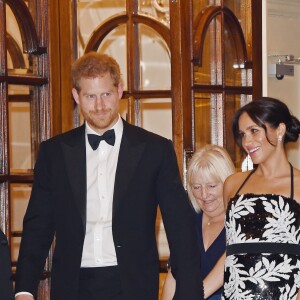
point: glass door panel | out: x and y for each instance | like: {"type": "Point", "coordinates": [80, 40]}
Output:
{"type": "Point", "coordinates": [20, 194]}
{"type": "Point", "coordinates": [242, 9]}
{"type": "Point", "coordinates": [233, 66]}
{"type": "Point", "coordinates": [208, 119]}
{"type": "Point", "coordinates": [202, 119]}
{"type": "Point", "coordinates": [209, 72]}
{"type": "Point", "coordinates": [90, 14]}
{"type": "Point", "coordinates": [234, 102]}
{"type": "Point", "coordinates": [20, 137]}
{"type": "Point", "coordinates": [17, 60]}
{"type": "Point", "coordinates": [156, 116]}
{"type": "Point", "coordinates": [114, 44]}
{"type": "Point", "coordinates": [155, 65]}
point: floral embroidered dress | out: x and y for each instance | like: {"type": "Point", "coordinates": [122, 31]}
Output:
{"type": "Point", "coordinates": [263, 247]}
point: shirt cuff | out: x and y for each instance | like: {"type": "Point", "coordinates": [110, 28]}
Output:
{"type": "Point", "coordinates": [23, 293]}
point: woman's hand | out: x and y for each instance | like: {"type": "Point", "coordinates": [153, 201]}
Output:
{"type": "Point", "coordinates": [215, 278]}
{"type": "Point", "coordinates": [169, 287]}
{"type": "Point", "coordinates": [298, 297]}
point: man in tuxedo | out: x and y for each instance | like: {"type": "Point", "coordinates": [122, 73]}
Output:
{"type": "Point", "coordinates": [96, 190]}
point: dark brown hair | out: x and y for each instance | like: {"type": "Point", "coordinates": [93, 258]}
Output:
{"type": "Point", "coordinates": [271, 111]}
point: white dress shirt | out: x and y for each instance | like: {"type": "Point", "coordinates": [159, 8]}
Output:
{"type": "Point", "coordinates": [98, 247]}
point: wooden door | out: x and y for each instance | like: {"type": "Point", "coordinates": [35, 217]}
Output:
{"type": "Point", "coordinates": [226, 70]}
{"type": "Point", "coordinates": [25, 110]}
{"type": "Point", "coordinates": [187, 65]}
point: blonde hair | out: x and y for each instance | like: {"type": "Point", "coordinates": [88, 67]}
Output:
{"type": "Point", "coordinates": [213, 162]}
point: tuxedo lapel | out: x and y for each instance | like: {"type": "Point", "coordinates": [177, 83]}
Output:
{"type": "Point", "coordinates": [75, 158]}
{"type": "Point", "coordinates": [130, 153]}
{"type": "Point", "coordinates": [131, 150]}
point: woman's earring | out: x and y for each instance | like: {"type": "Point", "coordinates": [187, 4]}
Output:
{"type": "Point", "coordinates": [279, 138]}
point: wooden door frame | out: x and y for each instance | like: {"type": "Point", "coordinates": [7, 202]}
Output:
{"type": "Point", "coordinates": [62, 20]}
{"type": "Point", "coordinates": [257, 48]}
{"type": "Point", "coordinates": [181, 72]}
{"type": "Point", "coordinates": [181, 68]}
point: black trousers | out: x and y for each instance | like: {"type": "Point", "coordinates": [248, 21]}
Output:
{"type": "Point", "coordinates": [102, 283]}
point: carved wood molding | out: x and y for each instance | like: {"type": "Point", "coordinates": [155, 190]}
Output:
{"type": "Point", "coordinates": [26, 25]}
{"type": "Point", "coordinates": [15, 52]}
{"type": "Point", "coordinates": [103, 29]}
{"type": "Point", "coordinates": [284, 8]}
{"type": "Point", "coordinates": [201, 26]}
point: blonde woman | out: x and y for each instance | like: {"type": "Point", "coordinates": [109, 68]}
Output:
{"type": "Point", "coordinates": [207, 171]}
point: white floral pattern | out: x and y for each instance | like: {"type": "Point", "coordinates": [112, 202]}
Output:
{"type": "Point", "coordinates": [266, 218]}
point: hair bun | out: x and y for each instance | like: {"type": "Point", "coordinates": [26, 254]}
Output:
{"type": "Point", "coordinates": [292, 130]}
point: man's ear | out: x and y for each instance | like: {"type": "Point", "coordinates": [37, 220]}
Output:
{"type": "Point", "coordinates": [75, 95]}
{"type": "Point", "coordinates": [120, 89]}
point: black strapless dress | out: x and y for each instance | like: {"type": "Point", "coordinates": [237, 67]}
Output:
{"type": "Point", "coordinates": [263, 247]}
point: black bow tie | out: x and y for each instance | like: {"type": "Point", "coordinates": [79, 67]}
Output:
{"type": "Point", "coordinates": [109, 137]}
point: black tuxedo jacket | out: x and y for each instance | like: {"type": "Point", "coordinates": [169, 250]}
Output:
{"type": "Point", "coordinates": [6, 284]}
{"type": "Point", "coordinates": [146, 176]}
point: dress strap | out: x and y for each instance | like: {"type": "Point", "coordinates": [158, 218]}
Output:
{"type": "Point", "coordinates": [245, 181]}
{"type": "Point", "coordinates": [292, 182]}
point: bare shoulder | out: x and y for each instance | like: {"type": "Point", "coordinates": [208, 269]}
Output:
{"type": "Point", "coordinates": [232, 184]}
{"type": "Point", "coordinates": [236, 179]}
{"type": "Point", "coordinates": [296, 173]}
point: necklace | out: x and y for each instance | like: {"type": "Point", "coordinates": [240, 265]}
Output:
{"type": "Point", "coordinates": [211, 220]}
